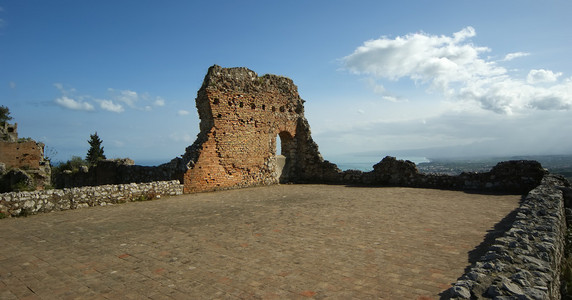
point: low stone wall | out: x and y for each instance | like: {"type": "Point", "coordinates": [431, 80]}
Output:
{"type": "Point", "coordinates": [115, 171]}
{"type": "Point", "coordinates": [27, 203]}
{"type": "Point", "coordinates": [516, 176]}
{"type": "Point", "coordinates": [525, 262]}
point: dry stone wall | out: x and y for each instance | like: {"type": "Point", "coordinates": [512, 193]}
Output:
{"type": "Point", "coordinates": [27, 203]}
{"type": "Point", "coordinates": [114, 171]}
{"type": "Point", "coordinates": [517, 176]}
{"type": "Point", "coordinates": [525, 262]}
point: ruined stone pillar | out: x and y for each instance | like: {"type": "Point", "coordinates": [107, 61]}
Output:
{"type": "Point", "coordinates": [242, 116]}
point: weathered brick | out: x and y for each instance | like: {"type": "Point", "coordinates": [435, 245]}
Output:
{"type": "Point", "coordinates": [242, 116]}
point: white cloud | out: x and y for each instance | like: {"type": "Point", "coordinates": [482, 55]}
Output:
{"type": "Point", "coordinates": [438, 60]}
{"type": "Point", "coordinates": [391, 98]}
{"type": "Point", "coordinates": [126, 96]}
{"type": "Point", "coordinates": [452, 133]}
{"type": "Point", "coordinates": [159, 101]}
{"type": "Point", "coordinates": [514, 55]}
{"type": "Point", "coordinates": [116, 102]}
{"type": "Point", "coordinates": [60, 87]}
{"type": "Point", "coordinates": [141, 101]}
{"type": "Point", "coordinates": [453, 66]}
{"type": "Point", "coordinates": [110, 106]}
{"type": "Point", "coordinates": [183, 112]}
{"type": "Point", "coordinates": [541, 76]}
{"type": "Point", "coordinates": [72, 104]}
{"type": "Point", "coordinates": [12, 84]}
{"type": "Point", "coordinates": [67, 99]}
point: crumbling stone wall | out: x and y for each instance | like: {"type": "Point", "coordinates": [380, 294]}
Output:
{"type": "Point", "coordinates": [28, 203]}
{"type": "Point", "coordinates": [525, 262]}
{"type": "Point", "coordinates": [516, 176]}
{"type": "Point", "coordinates": [113, 171]}
{"type": "Point", "coordinates": [27, 155]}
{"type": "Point", "coordinates": [8, 132]}
{"type": "Point", "coordinates": [242, 115]}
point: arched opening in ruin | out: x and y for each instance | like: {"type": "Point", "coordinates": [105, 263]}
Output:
{"type": "Point", "coordinates": [284, 153]}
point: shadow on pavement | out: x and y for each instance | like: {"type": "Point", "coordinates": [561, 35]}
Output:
{"type": "Point", "coordinates": [474, 255]}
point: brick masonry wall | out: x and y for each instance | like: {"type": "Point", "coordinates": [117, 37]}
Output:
{"type": "Point", "coordinates": [27, 203]}
{"type": "Point", "coordinates": [22, 154]}
{"type": "Point", "coordinates": [242, 116]}
{"type": "Point", "coordinates": [27, 156]}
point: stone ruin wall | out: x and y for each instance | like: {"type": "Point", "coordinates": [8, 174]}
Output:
{"type": "Point", "coordinates": [113, 171]}
{"type": "Point", "coordinates": [525, 261]}
{"type": "Point", "coordinates": [8, 132]}
{"type": "Point", "coordinates": [27, 155]}
{"type": "Point", "coordinates": [242, 116]}
{"type": "Point", "coordinates": [15, 204]}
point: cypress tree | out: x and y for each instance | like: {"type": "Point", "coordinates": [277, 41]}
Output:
{"type": "Point", "coordinates": [4, 114]}
{"type": "Point", "coordinates": [95, 152]}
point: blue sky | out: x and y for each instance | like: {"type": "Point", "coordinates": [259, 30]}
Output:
{"type": "Point", "coordinates": [423, 78]}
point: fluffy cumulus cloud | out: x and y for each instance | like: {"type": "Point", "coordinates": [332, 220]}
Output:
{"type": "Point", "coordinates": [117, 100]}
{"type": "Point", "coordinates": [126, 96]}
{"type": "Point", "coordinates": [66, 100]}
{"type": "Point", "coordinates": [539, 76]}
{"type": "Point", "coordinates": [454, 66]}
{"type": "Point", "coordinates": [514, 55]}
{"type": "Point", "coordinates": [110, 106]}
{"type": "Point", "coordinates": [159, 101]}
{"type": "Point", "coordinates": [72, 104]}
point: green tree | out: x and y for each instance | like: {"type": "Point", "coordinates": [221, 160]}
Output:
{"type": "Point", "coordinates": [73, 164]}
{"type": "Point", "coordinates": [4, 114]}
{"type": "Point", "coordinates": [95, 152]}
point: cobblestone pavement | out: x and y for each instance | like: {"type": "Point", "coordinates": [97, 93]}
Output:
{"type": "Point", "coordinates": [277, 242]}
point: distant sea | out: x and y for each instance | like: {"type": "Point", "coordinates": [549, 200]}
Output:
{"type": "Point", "coordinates": [345, 163]}
{"type": "Point", "coordinates": [151, 162]}
{"type": "Point", "coordinates": [365, 164]}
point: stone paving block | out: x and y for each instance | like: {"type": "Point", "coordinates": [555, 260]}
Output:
{"type": "Point", "coordinates": [277, 242]}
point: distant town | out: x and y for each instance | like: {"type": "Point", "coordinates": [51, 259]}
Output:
{"type": "Point", "coordinates": [557, 164]}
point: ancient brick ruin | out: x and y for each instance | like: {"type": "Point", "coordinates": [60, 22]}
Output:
{"type": "Point", "coordinates": [21, 159]}
{"type": "Point", "coordinates": [242, 117]}
{"type": "Point", "coordinates": [8, 132]}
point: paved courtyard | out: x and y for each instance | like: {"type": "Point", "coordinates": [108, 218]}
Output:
{"type": "Point", "coordinates": [277, 242]}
